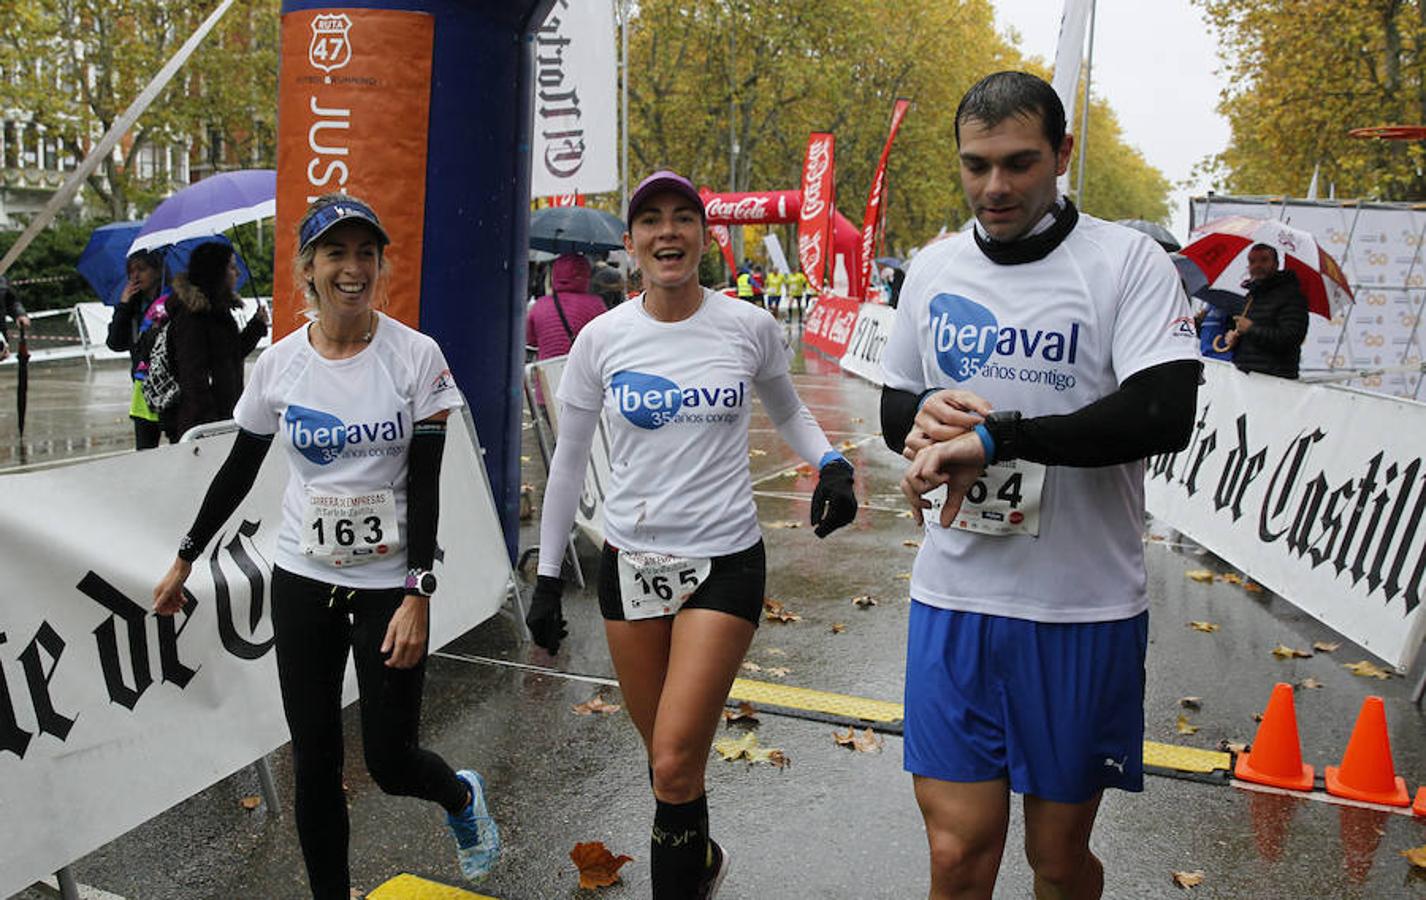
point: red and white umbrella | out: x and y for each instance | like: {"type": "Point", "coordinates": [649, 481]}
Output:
{"type": "Point", "coordinates": [1219, 250]}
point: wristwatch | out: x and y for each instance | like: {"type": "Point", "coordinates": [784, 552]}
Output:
{"type": "Point", "coordinates": [420, 581]}
{"type": "Point", "coordinates": [1004, 428]}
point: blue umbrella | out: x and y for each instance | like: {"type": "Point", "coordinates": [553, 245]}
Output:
{"type": "Point", "coordinates": [209, 207]}
{"type": "Point", "coordinates": [103, 259]}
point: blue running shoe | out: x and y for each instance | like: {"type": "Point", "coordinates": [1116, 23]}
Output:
{"type": "Point", "coordinates": [477, 837]}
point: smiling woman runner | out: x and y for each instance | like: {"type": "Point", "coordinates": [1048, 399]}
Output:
{"type": "Point", "coordinates": [681, 580]}
{"type": "Point", "coordinates": [359, 403]}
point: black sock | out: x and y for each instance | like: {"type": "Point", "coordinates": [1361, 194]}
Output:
{"type": "Point", "coordinates": [679, 848]}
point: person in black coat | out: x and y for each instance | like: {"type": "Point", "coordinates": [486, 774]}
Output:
{"type": "Point", "coordinates": [1268, 336]}
{"type": "Point", "coordinates": [205, 345]}
{"type": "Point", "coordinates": [10, 305]}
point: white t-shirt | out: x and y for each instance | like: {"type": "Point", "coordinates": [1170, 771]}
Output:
{"type": "Point", "coordinates": [1044, 338]}
{"type": "Point", "coordinates": [677, 397]}
{"type": "Point", "coordinates": [345, 426]}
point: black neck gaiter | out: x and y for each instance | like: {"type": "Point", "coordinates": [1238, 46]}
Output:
{"type": "Point", "coordinates": [1035, 247]}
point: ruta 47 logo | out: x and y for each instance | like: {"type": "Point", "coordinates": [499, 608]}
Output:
{"type": "Point", "coordinates": [331, 46]}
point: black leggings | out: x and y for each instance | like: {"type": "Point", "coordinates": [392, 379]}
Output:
{"type": "Point", "coordinates": [313, 627]}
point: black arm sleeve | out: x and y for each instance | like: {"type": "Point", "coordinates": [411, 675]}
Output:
{"type": "Point", "coordinates": [898, 414]}
{"type": "Point", "coordinates": [1151, 413]}
{"type": "Point", "coordinates": [231, 484]}
{"type": "Point", "coordinates": [423, 493]}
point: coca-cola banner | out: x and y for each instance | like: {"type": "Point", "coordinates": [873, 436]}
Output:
{"type": "Point", "coordinates": [1316, 492]}
{"type": "Point", "coordinates": [814, 225]}
{"type": "Point", "coordinates": [829, 323]}
{"type": "Point", "coordinates": [872, 220]}
{"type": "Point", "coordinates": [110, 714]}
{"type": "Point", "coordinates": [752, 208]}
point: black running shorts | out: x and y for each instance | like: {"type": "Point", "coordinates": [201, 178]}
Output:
{"type": "Point", "coordinates": [735, 585]}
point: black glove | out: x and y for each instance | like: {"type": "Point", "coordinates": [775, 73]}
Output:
{"type": "Point", "coordinates": [545, 618]}
{"type": "Point", "coordinates": [833, 502]}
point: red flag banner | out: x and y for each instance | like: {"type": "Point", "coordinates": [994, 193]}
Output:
{"type": "Point", "coordinates": [725, 243]}
{"type": "Point", "coordinates": [814, 227]}
{"type": "Point", "coordinates": [874, 201]}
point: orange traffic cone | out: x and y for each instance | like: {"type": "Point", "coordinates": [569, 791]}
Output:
{"type": "Point", "coordinates": [1367, 772]}
{"type": "Point", "coordinates": [1275, 757]}
{"type": "Point", "coordinates": [1419, 807]}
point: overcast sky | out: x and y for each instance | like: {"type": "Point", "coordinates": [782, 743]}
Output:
{"type": "Point", "coordinates": [1154, 62]}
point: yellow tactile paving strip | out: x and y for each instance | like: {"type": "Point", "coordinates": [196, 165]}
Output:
{"type": "Point", "coordinates": [815, 701]}
{"type": "Point", "coordinates": [1164, 756]}
{"type": "Point", "coordinates": [409, 887]}
{"type": "Point", "coordinates": [1185, 759]}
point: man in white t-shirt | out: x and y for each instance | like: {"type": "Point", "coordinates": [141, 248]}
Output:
{"type": "Point", "coordinates": [1035, 361]}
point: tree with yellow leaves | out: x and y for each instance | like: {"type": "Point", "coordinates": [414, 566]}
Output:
{"type": "Point", "coordinates": [1302, 73]}
{"type": "Point", "coordinates": [728, 90]}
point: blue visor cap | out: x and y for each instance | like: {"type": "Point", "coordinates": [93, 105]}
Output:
{"type": "Point", "coordinates": [328, 217]}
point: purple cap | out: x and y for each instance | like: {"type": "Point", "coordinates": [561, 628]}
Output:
{"type": "Point", "coordinates": [660, 182]}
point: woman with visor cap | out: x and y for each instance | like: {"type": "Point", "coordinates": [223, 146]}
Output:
{"type": "Point", "coordinates": [681, 580]}
{"type": "Point", "coordinates": [357, 540]}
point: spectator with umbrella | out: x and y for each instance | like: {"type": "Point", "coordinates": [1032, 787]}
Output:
{"type": "Point", "coordinates": [142, 307]}
{"type": "Point", "coordinates": [207, 346]}
{"type": "Point", "coordinates": [1271, 341]}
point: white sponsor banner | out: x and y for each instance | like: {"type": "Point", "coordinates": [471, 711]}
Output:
{"type": "Point", "coordinates": [589, 514]}
{"type": "Point", "coordinates": [1069, 54]}
{"type": "Point", "coordinates": [1317, 492]}
{"type": "Point", "coordinates": [775, 254]}
{"type": "Point", "coordinates": [110, 714]}
{"type": "Point", "coordinates": [869, 335]}
{"type": "Point", "coordinates": [1380, 249]}
{"type": "Point", "coordinates": [575, 104]}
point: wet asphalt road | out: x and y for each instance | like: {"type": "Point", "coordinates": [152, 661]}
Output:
{"type": "Point", "coordinates": [834, 824]}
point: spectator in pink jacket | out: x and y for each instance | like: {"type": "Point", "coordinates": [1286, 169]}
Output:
{"type": "Point", "coordinates": [557, 317]}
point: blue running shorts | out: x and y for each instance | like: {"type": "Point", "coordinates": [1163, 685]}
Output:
{"type": "Point", "coordinates": [1056, 709]}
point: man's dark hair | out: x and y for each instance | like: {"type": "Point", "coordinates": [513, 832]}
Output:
{"type": "Point", "coordinates": [1002, 95]}
{"type": "Point", "coordinates": [1268, 247]}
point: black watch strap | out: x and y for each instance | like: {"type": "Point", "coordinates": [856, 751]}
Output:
{"type": "Point", "coordinates": [1004, 428]}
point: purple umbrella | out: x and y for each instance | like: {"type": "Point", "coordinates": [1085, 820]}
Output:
{"type": "Point", "coordinates": [209, 207]}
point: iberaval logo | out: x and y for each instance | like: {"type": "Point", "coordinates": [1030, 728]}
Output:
{"type": "Point", "coordinates": [322, 437]}
{"type": "Point", "coordinates": [965, 335]}
{"type": "Point", "coordinates": [652, 401]}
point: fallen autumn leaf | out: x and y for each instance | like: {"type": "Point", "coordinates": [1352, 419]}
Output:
{"type": "Point", "coordinates": [1184, 726]}
{"type": "Point", "coordinates": [747, 747]}
{"type": "Point", "coordinates": [774, 611]}
{"type": "Point", "coordinates": [839, 627]}
{"type": "Point", "coordinates": [864, 741]}
{"type": "Point", "coordinates": [1326, 646]}
{"type": "Point", "coordinates": [595, 704]}
{"type": "Point", "coordinates": [746, 713]}
{"type": "Point", "coordinates": [1310, 683]}
{"type": "Point", "coordinates": [909, 543]}
{"type": "Point", "coordinates": [597, 866]}
{"type": "Point", "coordinates": [250, 802]}
{"type": "Point", "coordinates": [1199, 575]}
{"type": "Point", "coordinates": [1367, 669]}
{"type": "Point", "coordinates": [1282, 651]}
{"type": "Point", "coordinates": [864, 601]}
{"type": "Point", "coordinates": [1416, 856]}
{"type": "Point", "coordinates": [1188, 879]}
{"type": "Point", "coordinates": [1191, 702]}
{"type": "Point", "coordinates": [1205, 627]}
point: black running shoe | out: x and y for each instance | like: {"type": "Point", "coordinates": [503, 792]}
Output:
{"type": "Point", "coordinates": [713, 878]}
